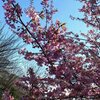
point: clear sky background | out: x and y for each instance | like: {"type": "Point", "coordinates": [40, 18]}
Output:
{"type": "Point", "coordinates": [65, 9]}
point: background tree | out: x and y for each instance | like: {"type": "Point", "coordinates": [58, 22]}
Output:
{"type": "Point", "coordinates": [9, 69]}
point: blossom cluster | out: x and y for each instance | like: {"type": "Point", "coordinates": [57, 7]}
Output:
{"type": "Point", "coordinates": [91, 10]}
{"type": "Point", "coordinates": [11, 12]}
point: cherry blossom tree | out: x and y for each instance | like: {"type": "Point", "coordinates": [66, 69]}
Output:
{"type": "Point", "coordinates": [91, 10]}
{"type": "Point", "coordinates": [73, 63]}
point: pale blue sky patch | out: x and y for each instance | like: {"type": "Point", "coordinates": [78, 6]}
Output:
{"type": "Point", "coordinates": [65, 9]}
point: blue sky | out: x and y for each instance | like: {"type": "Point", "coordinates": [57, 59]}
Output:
{"type": "Point", "coordinates": [65, 9]}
